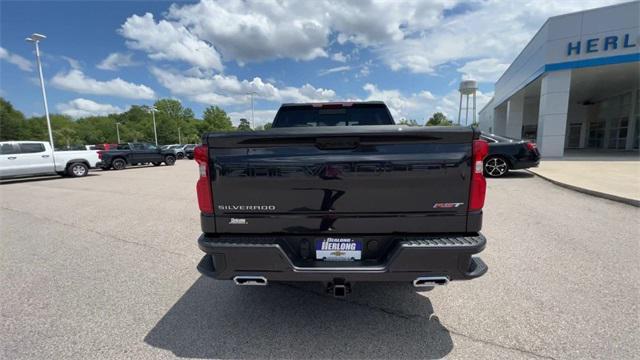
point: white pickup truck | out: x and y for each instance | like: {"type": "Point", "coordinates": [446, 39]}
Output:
{"type": "Point", "coordinates": [32, 158]}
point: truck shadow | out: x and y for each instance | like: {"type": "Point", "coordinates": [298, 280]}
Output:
{"type": "Point", "coordinates": [294, 320]}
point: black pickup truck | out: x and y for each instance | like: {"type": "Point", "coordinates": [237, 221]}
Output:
{"type": "Point", "coordinates": [135, 154]}
{"type": "Point", "coordinates": [337, 193]}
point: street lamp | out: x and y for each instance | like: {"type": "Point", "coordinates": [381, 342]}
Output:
{"type": "Point", "coordinates": [35, 39]}
{"type": "Point", "coordinates": [152, 109]}
{"type": "Point", "coordinates": [251, 93]}
{"type": "Point", "coordinates": [118, 131]}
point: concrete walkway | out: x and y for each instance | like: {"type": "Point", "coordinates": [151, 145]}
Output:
{"type": "Point", "coordinates": [614, 178]}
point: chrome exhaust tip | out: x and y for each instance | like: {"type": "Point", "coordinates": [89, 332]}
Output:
{"type": "Point", "coordinates": [250, 280]}
{"type": "Point", "coordinates": [430, 281]}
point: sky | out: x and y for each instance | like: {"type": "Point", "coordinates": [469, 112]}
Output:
{"type": "Point", "coordinates": [101, 57]}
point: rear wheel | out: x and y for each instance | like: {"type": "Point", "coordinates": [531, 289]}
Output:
{"type": "Point", "coordinates": [78, 170]}
{"type": "Point", "coordinates": [495, 166]}
{"type": "Point", "coordinates": [169, 160]}
{"type": "Point", "coordinates": [119, 164]}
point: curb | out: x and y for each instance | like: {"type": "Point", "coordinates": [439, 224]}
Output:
{"type": "Point", "coordinates": [620, 199]}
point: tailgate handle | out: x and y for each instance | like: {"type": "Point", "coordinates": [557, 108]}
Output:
{"type": "Point", "coordinates": [338, 143]}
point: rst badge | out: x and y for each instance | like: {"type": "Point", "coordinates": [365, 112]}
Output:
{"type": "Point", "coordinates": [450, 205]}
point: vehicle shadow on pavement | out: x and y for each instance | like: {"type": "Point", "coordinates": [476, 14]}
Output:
{"type": "Point", "coordinates": [294, 320]}
{"type": "Point", "coordinates": [40, 178]}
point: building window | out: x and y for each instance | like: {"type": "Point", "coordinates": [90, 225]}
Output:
{"type": "Point", "coordinates": [596, 134]}
{"type": "Point", "coordinates": [573, 136]}
{"type": "Point", "coordinates": [618, 133]}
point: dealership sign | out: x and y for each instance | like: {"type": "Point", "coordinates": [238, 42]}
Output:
{"type": "Point", "coordinates": [601, 44]}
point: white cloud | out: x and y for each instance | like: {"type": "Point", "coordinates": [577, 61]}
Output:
{"type": "Point", "coordinates": [420, 106]}
{"type": "Point", "coordinates": [334, 70]}
{"type": "Point", "coordinates": [253, 31]}
{"type": "Point", "coordinates": [116, 60]}
{"type": "Point", "coordinates": [221, 89]}
{"type": "Point", "coordinates": [73, 63]}
{"type": "Point", "coordinates": [16, 60]}
{"type": "Point", "coordinates": [167, 40]}
{"type": "Point", "coordinates": [78, 108]}
{"type": "Point", "coordinates": [340, 57]}
{"type": "Point", "coordinates": [484, 70]}
{"type": "Point", "coordinates": [261, 117]}
{"type": "Point", "coordinates": [75, 80]}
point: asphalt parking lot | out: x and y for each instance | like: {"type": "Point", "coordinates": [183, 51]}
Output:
{"type": "Point", "coordinates": [104, 267]}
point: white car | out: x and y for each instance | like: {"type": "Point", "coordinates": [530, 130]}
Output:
{"type": "Point", "coordinates": [32, 158]}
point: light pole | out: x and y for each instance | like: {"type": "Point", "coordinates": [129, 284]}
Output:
{"type": "Point", "coordinates": [35, 39]}
{"type": "Point", "coordinates": [152, 109]}
{"type": "Point", "coordinates": [179, 136]}
{"type": "Point", "coordinates": [118, 131]}
{"type": "Point", "coordinates": [253, 124]}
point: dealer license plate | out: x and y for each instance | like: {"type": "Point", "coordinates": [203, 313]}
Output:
{"type": "Point", "coordinates": [338, 249]}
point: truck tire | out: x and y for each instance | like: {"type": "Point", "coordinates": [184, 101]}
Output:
{"type": "Point", "coordinates": [119, 164]}
{"type": "Point", "coordinates": [77, 169]}
{"type": "Point", "coordinates": [495, 166]}
{"type": "Point", "coordinates": [180, 155]}
{"type": "Point", "coordinates": [169, 160]}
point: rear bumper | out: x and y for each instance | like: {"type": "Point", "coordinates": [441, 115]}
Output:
{"type": "Point", "coordinates": [407, 259]}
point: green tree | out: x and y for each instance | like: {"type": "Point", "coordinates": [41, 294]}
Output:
{"type": "Point", "coordinates": [266, 126]}
{"type": "Point", "coordinates": [438, 119]}
{"type": "Point", "coordinates": [12, 122]}
{"type": "Point", "coordinates": [65, 137]}
{"type": "Point", "coordinates": [244, 125]}
{"type": "Point", "coordinates": [408, 122]}
{"type": "Point", "coordinates": [170, 116]}
{"type": "Point", "coordinates": [215, 119]}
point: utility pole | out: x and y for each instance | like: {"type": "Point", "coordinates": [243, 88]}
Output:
{"type": "Point", "coordinates": [253, 123]}
{"type": "Point", "coordinates": [118, 131]}
{"type": "Point", "coordinates": [35, 39]}
{"type": "Point", "coordinates": [152, 109]}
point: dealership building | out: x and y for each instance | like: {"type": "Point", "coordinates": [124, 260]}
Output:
{"type": "Point", "coordinates": [575, 85]}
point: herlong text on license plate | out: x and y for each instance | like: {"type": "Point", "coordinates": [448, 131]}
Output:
{"type": "Point", "coordinates": [338, 249]}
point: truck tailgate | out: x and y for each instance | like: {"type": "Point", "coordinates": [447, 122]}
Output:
{"type": "Point", "coordinates": [366, 179]}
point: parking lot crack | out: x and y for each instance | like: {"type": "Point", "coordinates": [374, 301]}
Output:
{"type": "Point", "coordinates": [430, 317]}
{"type": "Point", "coordinates": [488, 342]}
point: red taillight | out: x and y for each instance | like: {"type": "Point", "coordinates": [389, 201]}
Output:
{"type": "Point", "coordinates": [478, 182]}
{"type": "Point", "coordinates": [530, 145]}
{"type": "Point", "coordinates": [100, 154]}
{"type": "Point", "coordinates": [203, 187]}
